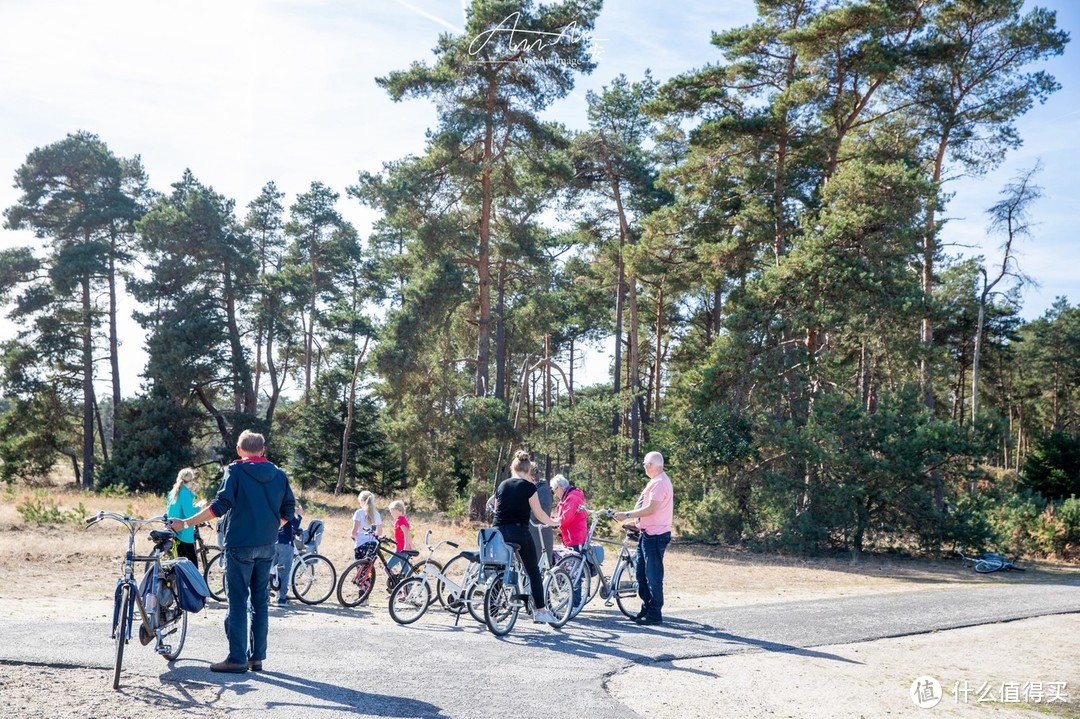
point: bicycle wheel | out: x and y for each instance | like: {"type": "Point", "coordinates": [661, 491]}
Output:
{"type": "Point", "coordinates": [578, 571]}
{"type": "Point", "coordinates": [177, 632]}
{"type": "Point", "coordinates": [214, 574]}
{"type": "Point", "coordinates": [500, 611]}
{"type": "Point", "coordinates": [559, 596]}
{"type": "Point", "coordinates": [356, 583]}
{"type": "Point", "coordinates": [624, 584]}
{"type": "Point", "coordinates": [313, 578]}
{"type": "Point", "coordinates": [985, 566]}
{"type": "Point", "coordinates": [409, 600]}
{"type": "Point", "coordinates": [474, 594]}
{"type": "Point", "coordinates": [122, 629]}
{"type": "Point", "coordinates": [455, 571]}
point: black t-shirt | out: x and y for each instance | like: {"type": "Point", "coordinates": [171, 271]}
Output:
{"type": "Point", "coordinates": [512, 501]}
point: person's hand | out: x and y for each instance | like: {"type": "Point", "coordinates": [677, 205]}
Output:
{"type": "Point", "coordinates": [176, 524]}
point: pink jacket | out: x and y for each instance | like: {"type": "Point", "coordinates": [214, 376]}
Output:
{"type": "Point", "coordinates": [573, 525]}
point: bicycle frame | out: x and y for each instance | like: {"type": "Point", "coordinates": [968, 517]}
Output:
{"type": "Point", "coordinates": [624, 562]}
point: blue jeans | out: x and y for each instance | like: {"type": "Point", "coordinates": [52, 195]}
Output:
{"type": "Point", "coordinates": [650, 573]}
{"type": "Point", "coordinates": [283, 558]}
{"type": "Point", "coordinates": [247, 582]}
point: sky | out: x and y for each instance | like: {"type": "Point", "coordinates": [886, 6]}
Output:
{"type": "Point", "coordinates": [243, 92]}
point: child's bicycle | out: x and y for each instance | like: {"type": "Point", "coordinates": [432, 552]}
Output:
{"type": "Point", "coordinates": [988, 562]}
{"type": "Point", "coordinates": [160, 618]}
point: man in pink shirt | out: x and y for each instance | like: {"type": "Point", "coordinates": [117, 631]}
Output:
{"type": "Point", "coordinates": [652, 515]}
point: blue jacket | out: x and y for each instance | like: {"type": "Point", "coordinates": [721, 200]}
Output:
{"type": "Point", "coordinates": [254, 497]}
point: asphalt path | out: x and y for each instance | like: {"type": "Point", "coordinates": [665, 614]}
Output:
{"type": "Point", "coordinates": [328, 661]}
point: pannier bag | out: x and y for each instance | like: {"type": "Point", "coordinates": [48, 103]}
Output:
{"type": "Point", "coordinates": [191, 589]}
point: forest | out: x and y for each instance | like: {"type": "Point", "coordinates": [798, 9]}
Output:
{"type": "Point", "coordinates": [759, 239]}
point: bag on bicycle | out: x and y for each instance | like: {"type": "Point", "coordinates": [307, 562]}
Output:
{"type": "Point", "coordinates": [191, 589]}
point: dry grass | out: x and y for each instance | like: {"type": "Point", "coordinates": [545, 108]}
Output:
{"type": "Point", "coordinates": [51, 559]}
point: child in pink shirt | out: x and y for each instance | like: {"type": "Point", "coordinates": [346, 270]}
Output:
{"type": "Point", "coordinates": [402, 536]}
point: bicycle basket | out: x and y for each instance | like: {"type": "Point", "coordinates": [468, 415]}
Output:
{"type": "Point", "coordinates": [366, 551]}
{"type": "Point", "coordinates": [493, 548]}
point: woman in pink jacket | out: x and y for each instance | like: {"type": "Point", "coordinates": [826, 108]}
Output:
{"type": "Point", "coordinates": [572, 519]}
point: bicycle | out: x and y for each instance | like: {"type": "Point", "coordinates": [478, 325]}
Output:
{"type": "Point", "coordinates": [988, 562]}
{"type": "Point", "coordinates": [160, 617]}
{"type": "Point", "coordinates": [507, 589]}
{"type": "Point", "coordinates": [357, 580]}
{"type": "Point", "coordinates": [622, 587]}
{"type": "Point", "coordinates": [412, 596]}
{"type": "Point", "coordinates": [313, 576]}
{"type": "Point", "coordinates": [213, 565]}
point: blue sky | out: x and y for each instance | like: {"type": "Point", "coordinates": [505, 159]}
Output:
{"type": "Point", "coordinates": [243, 92]}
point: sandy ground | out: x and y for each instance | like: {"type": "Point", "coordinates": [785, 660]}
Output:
{"type": "Point", "coordinates": [1017, 669]}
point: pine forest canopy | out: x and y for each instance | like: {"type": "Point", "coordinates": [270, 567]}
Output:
{"type": "Point", "coordinates": [759, 236]}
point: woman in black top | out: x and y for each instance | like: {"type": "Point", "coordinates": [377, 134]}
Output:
{"type": "Point", "coordinates": [515, 500]}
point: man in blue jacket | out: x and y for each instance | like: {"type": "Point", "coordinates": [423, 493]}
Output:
{"type": "Point", "coordinates": [256, 500]}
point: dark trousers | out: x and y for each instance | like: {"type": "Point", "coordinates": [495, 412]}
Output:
{"type": "Point", "coordinates": [519, 534]}
{"type": "Point", "coordinates": [186, 550]}
{"type": "Point", "coordinates": [650, 572]}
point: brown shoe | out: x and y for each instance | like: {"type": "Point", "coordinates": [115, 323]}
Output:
{"type": "Point", "coordinates": [227, 667]}
{"type": "Point", "coordinates": [255, 665]}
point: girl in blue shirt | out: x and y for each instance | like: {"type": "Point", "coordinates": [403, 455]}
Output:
{"type": "Point", "coordinates": [182, 504]}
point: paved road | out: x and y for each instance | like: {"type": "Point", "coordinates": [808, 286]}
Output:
{"type": "Point", "coordinates": [331, 662]}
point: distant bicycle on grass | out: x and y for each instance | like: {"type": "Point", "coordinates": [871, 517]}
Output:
{"type": "Point", "coordinates": [988, 562]}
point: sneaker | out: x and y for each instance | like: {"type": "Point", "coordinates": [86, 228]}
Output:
{"type": "Point", "coordinates": [228, 667]}
{"type": "Point", "coordinates": [545, 615]}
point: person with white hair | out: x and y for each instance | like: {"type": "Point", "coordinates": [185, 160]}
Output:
{"type": "Point", "coordinates": [573, 522]}
{"type": "Point", "coordinates": [652, 515]}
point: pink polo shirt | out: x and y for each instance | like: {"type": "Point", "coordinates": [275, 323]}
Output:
{"type": "Point", "coordinates": [659, 488]}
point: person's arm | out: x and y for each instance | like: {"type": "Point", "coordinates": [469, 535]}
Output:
{"type": "Point", "coordinates": [355, 529]}
{"type": "Point", "coordinates": [539, 513]}
{"type": "Point", "coordinates": [178, 523]}
{"type": "Point", "coordinates": [652, 506]}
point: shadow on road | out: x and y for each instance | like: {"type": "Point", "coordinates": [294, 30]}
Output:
{"type": "Point", "coordinates": [311, 696]}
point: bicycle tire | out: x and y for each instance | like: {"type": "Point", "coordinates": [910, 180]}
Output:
{"type": "Point", "coordinates": [578, 572]}
{"type": "Point", "coordinates": [625, 588]}
{"type": "Point", "coordinates": [122, 629]}
{"type": "Point", "coordinates": [500, 613]}
{"type": "Point", "coordinates": [214, 574]}
{"type": "Point", "coordinates": [178, 625]}
{"type": "Point", "coordinates": [313, 578]}
{"type": "Point", "coordinates": [409, 600]}
{"type": "Point", "coordinates": [559, 596]}
{"type": "Point", "coordinates": [455, 570]}
{"type": "Point", "coordinates": [986, 566]}
{"type": "Point", "coordinates": [355, 584]}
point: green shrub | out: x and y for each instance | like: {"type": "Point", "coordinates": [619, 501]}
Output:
{"type": "Point", "coordinates": [42, 509]}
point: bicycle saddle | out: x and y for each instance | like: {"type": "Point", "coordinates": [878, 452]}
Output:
{"type": "Point", "coordinates": [472, 556]}
{"type": "Point", "coordinates": [160, 535]}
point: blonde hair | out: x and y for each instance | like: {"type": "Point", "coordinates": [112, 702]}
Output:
{"type": "Point", "coordinates": [367, 503]}
{"type": "Point", "coordinates": [185, 475]}
{"type": "Point", "coordinates": [398, 505]}
{"type": "Point", "coordinates": [521, 464]}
